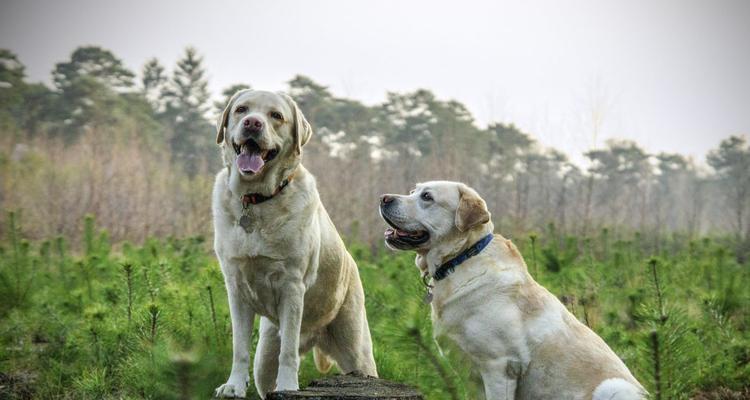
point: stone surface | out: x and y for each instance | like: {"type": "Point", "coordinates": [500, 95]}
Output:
{"type": "Point", "coordinates": [350, 387]}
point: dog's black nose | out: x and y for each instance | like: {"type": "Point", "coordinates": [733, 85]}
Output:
{"type": "Point", "coordinates": [252, 125]}
{"type": "Point", "coordinates": [385, 199]}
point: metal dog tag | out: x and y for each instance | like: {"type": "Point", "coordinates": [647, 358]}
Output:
{"type": "Point", "coordinates": [427, 297]}
{"type": "Point", "coordinates": [245, 223]}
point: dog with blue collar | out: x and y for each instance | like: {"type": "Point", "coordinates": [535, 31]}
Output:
{"type": "Point", "coordinates": [522, 340]}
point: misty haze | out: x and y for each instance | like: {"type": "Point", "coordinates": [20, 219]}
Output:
{"type": "Point", "coordinates": [610, 143]}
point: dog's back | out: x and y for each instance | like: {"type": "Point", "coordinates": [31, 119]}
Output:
{"type": "Point", "coordinates": [567, 359]}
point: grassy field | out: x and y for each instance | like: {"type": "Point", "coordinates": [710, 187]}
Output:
{"type": "Point", "coordinates": [150, 321]}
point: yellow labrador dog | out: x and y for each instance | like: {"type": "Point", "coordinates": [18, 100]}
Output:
{"type": "Point", "coordinates": [523, 341]}
{"type": "Point", "coordinates": [280, 254]}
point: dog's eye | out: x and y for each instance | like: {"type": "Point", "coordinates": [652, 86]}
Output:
{"type": "Point", "coordinates": [240, 109]}
{"type": "Point", "coordinates": [426, 196]}
{"type": "Point", "coordinates": [277, 115]}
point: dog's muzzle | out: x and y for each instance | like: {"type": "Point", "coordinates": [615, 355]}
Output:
{"type": "Point", "coordinates": [395, 235]}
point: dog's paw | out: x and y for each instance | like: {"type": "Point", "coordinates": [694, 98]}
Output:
{"type": "Point", "coordinates": [287, 380]}
{"type": "Point", "coordinates": [287, 387]}
{"type": "Point", "coordinates": [231, 390]}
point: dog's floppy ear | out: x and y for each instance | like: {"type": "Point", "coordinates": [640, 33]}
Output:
{"type": "Point", "coordinates": [471, 211]}
{"type": "Point", "coordinates": [301, 129]}
{"type": "Point", "coordinates": [221, 123]}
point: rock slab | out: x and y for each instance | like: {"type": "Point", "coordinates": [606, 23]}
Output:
{"type": "Point", "coordinates": [350, 387]}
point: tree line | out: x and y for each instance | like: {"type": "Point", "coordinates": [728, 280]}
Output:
{"type": "Point", "coordinates": [138, 147]}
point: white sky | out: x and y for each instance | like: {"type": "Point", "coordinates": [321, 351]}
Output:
{"type": "Point", "coordinates": [672, 75]}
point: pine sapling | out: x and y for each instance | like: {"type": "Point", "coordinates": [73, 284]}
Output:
{"type": "Point", "coordinates": [97, 348]}
{"type": "Point", "coordinates": [85, 269]}
{"type": "Point", "coordinates": [533, 238]}
{"type": "Point", "coordinates": [659, 297]}
{"type": "Point", "coordinates": [13, 285]}
{"type": "Point", "coordinates": [128, 268]}
{"type": "Point", "coordinates": [153, 311]}
{"type": "Point", "coordinates": [668, 344]}
{"type": "Point", "coordinates": [656, 359]}
{"type": "Point", "coordinates": [149, 286]}
{"type": "Point", "coordinates": [60, 247]}
{"type": "Point", "coordinates": [444, 375]}
{"type": "Point", "coordinates": [213, 311]}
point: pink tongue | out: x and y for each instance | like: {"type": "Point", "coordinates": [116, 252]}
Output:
{"type": "Point", "coordinates": [251, 162]}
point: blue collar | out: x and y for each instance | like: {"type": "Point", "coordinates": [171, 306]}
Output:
{"type": "Point", "coordinates": [449, 266]}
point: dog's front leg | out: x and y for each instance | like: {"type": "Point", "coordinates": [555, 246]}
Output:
{"type": "Point", "coordinates": [500, 378]}
{"type": "Point", "coordinates": [290, 321]}
{"type": "Point", "coordinates": [242, 329]}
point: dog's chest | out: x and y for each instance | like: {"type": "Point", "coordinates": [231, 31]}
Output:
{"type": "Point", "coordinates": [259, 266]}
{"type": "Point", "coordinates": [261, 257]}
{"type": "Point", "coordinates": [475, 317]}
{"type": "Point", "coordinates": [261, 282]}
{"type": "Point", "coordinates": [249, 235]}
{"type": "Point", "coordinates": [250, 243]}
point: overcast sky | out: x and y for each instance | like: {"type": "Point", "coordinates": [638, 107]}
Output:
{"type": "Point", "coordinates": [673, 75]}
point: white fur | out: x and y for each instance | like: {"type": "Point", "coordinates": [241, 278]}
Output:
{"type": "Point", "coordinates": [291, 268]}
{"type": "Point", "coordinates": [617, 389]}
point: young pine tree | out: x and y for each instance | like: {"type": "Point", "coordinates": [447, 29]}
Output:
{"type": "Point", "coordinates": [154, 85]}
{"type": "Point", "coordinates": [186, 109]}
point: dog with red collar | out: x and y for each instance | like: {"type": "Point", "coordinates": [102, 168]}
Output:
{"type": "Point", "coordinates": [280, 254]}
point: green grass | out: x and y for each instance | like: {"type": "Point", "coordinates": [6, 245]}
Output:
{"type": "Point", "coordinates": [151, 320]}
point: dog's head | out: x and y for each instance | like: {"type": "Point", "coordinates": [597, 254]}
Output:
{"type": "Point", "coordinates": [434, 213]}
{"type": "Point", "coordinates": [258, 128]}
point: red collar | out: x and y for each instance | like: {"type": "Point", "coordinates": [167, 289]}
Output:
{"type": "Point", "coordinates": [257, 198]}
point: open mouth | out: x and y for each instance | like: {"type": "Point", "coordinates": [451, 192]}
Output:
{"type": "Point", "coordinates": [251, 157]}
{"type": "Point", "coordinates": [402, 238]}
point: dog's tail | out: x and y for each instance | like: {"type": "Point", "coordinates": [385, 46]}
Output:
{"type": "Point", "coordinates": [323, 363]}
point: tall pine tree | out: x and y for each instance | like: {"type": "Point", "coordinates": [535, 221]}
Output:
{"type": "Point", "coordinates": [187, 103]}
{"type": "Point", "coordinates": [90, 88]}
{"type": "Point", "coordinates": [154, 84]}
{"type": "Point", "coordinates": [95, 63]}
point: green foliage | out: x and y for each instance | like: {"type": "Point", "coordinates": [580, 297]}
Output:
{"type": "Point", "coordinates": [11, 89]}
{"type": "Point", "coordinates": [187, 103]}
{"type": "Point", "coordinates": [94, 62]}
{"type": "Point", "coordinates": [732, 163]}
{"type": "Point", "coordinates": [153, 84]}
{"type": "Point", "coordinates": [23, 105]}
{"type": "Point", "coordinates": [151, 321]}
{"type": "Point", "coordinates": [409, 137]}
{"type": "Point", "coordinates": [668, 344]}
{"type": "Point", "coordinates": [16, 280]}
